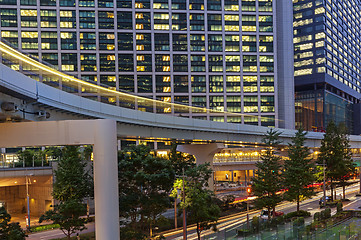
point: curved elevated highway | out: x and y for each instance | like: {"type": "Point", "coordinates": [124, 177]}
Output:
{"type": "Point", "coordinates": [33, 99]}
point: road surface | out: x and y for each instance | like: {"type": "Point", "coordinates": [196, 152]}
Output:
{"type": "Point", "coordinates": [310, 205]}
{"type": "Point", "coordinates": [56, 233]}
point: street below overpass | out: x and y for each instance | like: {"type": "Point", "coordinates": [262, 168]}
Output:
{"type": "Point", "coordinates": [227, 227]}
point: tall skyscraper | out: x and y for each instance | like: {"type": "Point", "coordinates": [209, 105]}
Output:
{"type": "Point", "coordinates": [327, 63]}
{"type": "Point", "coordinates": [227, 55]}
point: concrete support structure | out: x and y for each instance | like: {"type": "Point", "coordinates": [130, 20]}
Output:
{"type": "Point", "coordinates": [203, 153]}
{"type": "Point", "coordinates": [101, 134]}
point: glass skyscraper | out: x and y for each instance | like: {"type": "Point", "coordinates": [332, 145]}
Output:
{"type": "Point", "coordinates": [327, 63]}
{"type": "Point", "coordinates": [227, 55]}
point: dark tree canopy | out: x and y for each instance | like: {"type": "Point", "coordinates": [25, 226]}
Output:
{"type": "Point", "coordinates": [267, 181]}
{"type": "Point", "coordinates": [180, 160]}
{"type": "Point", "coordinates": [336, 154]}
{"type": "Point", "coordinates": [9, 231]}
{"type": "Point", "coordinates": [67, 214]}
{"type": "Point", "coordinates": [298, 170]}
{"type": "Point", "coordinates": [200, 203]}
{"type": "Point", "coordinates": [72, 181]}
{"type": "Point", "coordinates": [72, 184]}
{"type": "Point", "coordinates": [145, 181]}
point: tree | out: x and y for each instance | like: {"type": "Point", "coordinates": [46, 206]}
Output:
{"type": "Point", "coordinates": [335, 153]}
{"type": "Point", "coordinates": [298, 173]}
{"type": "Point", "coordinates": [145, 181]}
{"type": "Point", "coordinates": [200, 203]}
{"type": "Point", "coordinates": [9, 231]}
{"type": "Point", "coordinates": [180, 160]}
{"type": "Point", "coordinates": [27, 157]}
{"type": "Point", "coordinates": [267, 181]}
{"type": "Point", "coordinates": [201, 208]}
{"type": "Point", "coordinates": [72, 184]}
{"type": "Point", "coordinates": [72, 181]}
{"type": "Point", "coordinates": [67, 215]}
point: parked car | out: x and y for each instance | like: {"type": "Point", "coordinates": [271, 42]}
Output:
{"type": "Point", "coordinates": [321, 201]}
{"type": "Point", "coordinates": [264, 214]}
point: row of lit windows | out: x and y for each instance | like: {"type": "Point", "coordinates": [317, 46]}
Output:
{"type": "Point", "coordinates": [265, 5]}
{"type": "Point", "coordinates": [162, 42]}
{"type": "Point", "coordinates": [161, 21]}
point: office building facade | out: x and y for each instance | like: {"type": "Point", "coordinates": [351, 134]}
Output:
{"type": "Point", "coordinates": [225, 55]}
{"type": "Point", "coordinates": [327, 63]}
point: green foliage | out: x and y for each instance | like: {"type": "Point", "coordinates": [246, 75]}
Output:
{"type": "Point", "coordinates": [318, 174]}
{"type": "Point", "coordinates": [180, 160]}
{"type": "Point", "coordinates": [244, 232]}
{"type": "Point", "coordinates": [72, 185]}
{"type": "Point", "coordinates": [9, 231]}
{"type": "Point", "coordinates": [267, 181]}
{"type": "Point", "coordinates": [44, 227]}
{"type": "Point", "coordinates": [327, 213]}
{"type": "Point", "coordinates": [300, 221]}
{"type": "Point", "coordinates": [298, 172]}
{"type": "Point", "coordinates": [28, 156]}
{"type": "Point", "coordinates": [200, 203]}
{"type": "Point", "coordinates": [144, 183]}
{"type": "Point", "coordinates": [339, 207]}
{"type": "Point", "coordinates": [300, 213]}
{"type": "Point", "coordinates": [317, 216]}
{"type": "Point", "coordinates": [255, 224]}
{"type": "Point", "coordinates": [201, 209]}
{"type": "Point", "coordinates": [72, 182]}
{"type": "Point", "coordinates": [128, 233]}
{"type": "Point", "coordinates": [67, 216]}
{"type": "Point", "coordinates": [37, 156]}
{"type": "Point", "coordinates": [335, 152]}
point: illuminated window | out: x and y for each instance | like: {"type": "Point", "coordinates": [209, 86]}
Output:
{"type": "Point", "coordinates": [139, 36]}
{"type": "Point", "coordinates": [29, 34]}
{"type": "Point", "coordinates": [319, 10]}
{"type": "Point", "coordinates": [29, 13]}
{"type": "Point", "coordinates": [301, 72]}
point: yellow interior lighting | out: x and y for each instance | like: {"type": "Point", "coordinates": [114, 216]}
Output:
{"type": "Point", "coordinates": [103, 91]}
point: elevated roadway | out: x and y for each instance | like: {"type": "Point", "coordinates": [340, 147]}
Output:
{"type": "Point", "coordinates": [31, 96]}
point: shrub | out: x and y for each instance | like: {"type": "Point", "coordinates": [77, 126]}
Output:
{"type": "Point", "coordinates": [255, 223]}
{"type": "Point", "coordinates": [44, 227]}
{"type": "Point", "coordinates": [244, 232]}
{"type": "Point", "coordinates": [299, 221]}
{"type": "Point", "coordinates": [317, 216]}
{"type": "Point", "coordinates": [300, 213]}
{"type": "Point", "coordinates": [339, 207]}
{"type": "Point", "coordinates": [327, 213]}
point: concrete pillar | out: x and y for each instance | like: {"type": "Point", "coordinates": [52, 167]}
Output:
{"type": "Point", "coordinates": [102, 134]}
{"type": "Point", "coordinates": [232, 177]}
{"type": "Point", "coordinates": [203, 153]}
{"type": "Point", "coordinates": [106, 181]}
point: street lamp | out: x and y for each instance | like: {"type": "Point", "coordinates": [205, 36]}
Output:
{"type": "Point", "coordinates": [248, 194]}
{"type": "Point", "coordinates": [249, 199]}
{"type": "Point", "coordinates": [27, 178]}
{"type": "Point", "coordinates": [184, 210]}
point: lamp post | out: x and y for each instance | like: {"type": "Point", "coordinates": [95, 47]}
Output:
{"type": "Point", "coordinates": [248, 194]}
{"type": "Point", "coordinates": [184, 212]}
{"type": "Point", "coordinates": [249, 199]}
{"type": "Point", "coordinates": [324, 182]}
{"type": "Point", "coordinates": [27, 178]}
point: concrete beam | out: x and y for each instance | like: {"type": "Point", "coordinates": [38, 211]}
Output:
{"type": "Point", "coordinates": [101, 134]}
